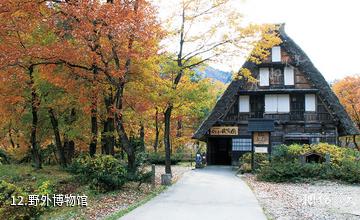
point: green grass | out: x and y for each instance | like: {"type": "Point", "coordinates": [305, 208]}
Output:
{"type": "Point", "coordinates": [62, 213]}
{"type": "Point", "coordinates": [27, 176]}
{"type": "Point", "coordinates": [119, 214]}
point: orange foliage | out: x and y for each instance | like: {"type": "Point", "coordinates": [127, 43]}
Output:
{"type": "Point", "coordinates": [348, 92]}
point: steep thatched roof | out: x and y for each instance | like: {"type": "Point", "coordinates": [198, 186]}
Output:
{"type": "Point", "coordinates": [304, 64]}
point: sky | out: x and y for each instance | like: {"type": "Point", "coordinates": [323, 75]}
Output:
{"type": "Point", "coordinates": [327, 30]}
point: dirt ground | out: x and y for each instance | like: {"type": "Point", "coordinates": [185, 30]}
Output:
{"type": "Point", "coordinates": [314, 200]}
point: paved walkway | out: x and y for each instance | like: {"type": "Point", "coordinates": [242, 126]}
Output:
{"type": "Point", "coordinates": [211, 193]}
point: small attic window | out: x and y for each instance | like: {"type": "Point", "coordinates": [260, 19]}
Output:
{"type": "Point", "coordinates": [276, 54]}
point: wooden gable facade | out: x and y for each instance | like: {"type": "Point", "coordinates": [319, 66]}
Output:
{"type": "Point", "coordinates": [291, 94]}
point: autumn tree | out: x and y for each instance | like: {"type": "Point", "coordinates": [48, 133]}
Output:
{"type": "Point", "coordinates": [348, 92]}
{"type": "Point", "coordinates": [206, 31]}
{"type": "Point", "coordinates": [26, 43]}
{"type": "Point", "coordinates": [112, 35]}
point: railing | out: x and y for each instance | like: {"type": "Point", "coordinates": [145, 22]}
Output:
{"type": "Point", "coordinates": [297, 116]}
{"type": "Point", "coordinates": [292, 116]}
{"type": "Point", "coordinates": [278, 116]}
{"type": "Point", "coordinates": [317, 117]}
{"type": "Point", "coordinates": [246, 116]}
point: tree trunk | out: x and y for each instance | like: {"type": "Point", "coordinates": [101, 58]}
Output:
{"type": "Point", "coordinates": [109, 127]}
{"type": "Point", "coordinates": [157, 131]}
{"type": "Point", "coordinates": [142, 137]}
{"type": "Point", "coordinates": [10, 137]}
{"type": "Point", "coordinates": [55, 126]}
{"type": "Point", "coordinates": [35, 102]}
{"type": "Point", "coordinates": [69, 148]}
{"type": "Point", "coordinates": [355, 143]}
{"type": "Point", "coordinates": [94, 125]}
{"type": "Point", "coordinates": [125, 144]}
{"type": "Point", "coordinates": [179, 128]}
{"type": "Point", "coordinates": [124, 139]}
{"type": "Point", "coordinates": [94, 131]}
{"type": "Point", "coordinates": [346, 141]}
{"type": "Point", "coordinates": [167, 117]}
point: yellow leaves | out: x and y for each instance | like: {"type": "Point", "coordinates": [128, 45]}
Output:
{"type": "Point", "coordinates": [246, 74]}
{"type": "Point", "coordinates": [19, 14]}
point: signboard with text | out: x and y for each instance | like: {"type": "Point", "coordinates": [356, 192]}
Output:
{"type": "Point", "coordinates": [224, 130]}
{"type": "Point", "coordinates": [261, 150]}
{"type": "Point", "coordinates": [261, 138]}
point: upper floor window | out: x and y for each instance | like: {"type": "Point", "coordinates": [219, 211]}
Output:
{"type": "Point", "coordinates": [244, 103]}
{"type": "Point", "coordinates": [276, 54]}
{"type": "Point", "coordinates": [289, 76]}
{"type": "Point", "coordinates": [264, 76]}
{"type": "Point", "coordinates": [276, 76]}
{"type": "Point", "coordinates": [277, 103]}
{"type": "Point", "coordinates": [310, 102]}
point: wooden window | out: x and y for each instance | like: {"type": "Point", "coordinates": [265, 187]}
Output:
{"type": "Point", "coordinates": [271, 103]}
{"type": "Point", "coordinates": [289, 76]}
{"type": "Point", "coordinates": [276, 76]}
{"type": "Point", "coordinates": [264, 76]}
{"type": "Point", "coordinates": [244, 103]}
{"type": "Point", "coordinates": [241, 144]}
{"type": "Point", "coordinates": [310, 102]}
{"type": "Point", "coordinates": [277, 103]}
{"type": "Point", "coordinates": [276, 54]}
{"type": "Point", "coordinates": [283, 104]}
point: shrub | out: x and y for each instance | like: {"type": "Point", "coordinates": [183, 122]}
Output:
{"type": "Point", "coordinates": [8, 211]}
{"type": "Point", "coordinates": [289, 153]}
{"type": "Point", "coordinates": [159, 158]}
{"type": "Point", "coordinates": [245, 161]}
{"type": "Point", "coordinates": [349, 171]}
{"type": "Point", "coordinates": [102, 172]}
{"type": "Point", "coordinates": [293, 152]}
{"type": "Point", "coordinates": [280, 172]}
{"type": "Point", "coordinates": [285, 166]}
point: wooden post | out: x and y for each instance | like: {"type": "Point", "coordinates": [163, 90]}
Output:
{"type": "Point", "coordinates": [191, 159]}
{"type": "Point", "coordinates": [252, 153]}
{"type": "Point", "coordinates": [153, 184]}
{"type": "Point", "coordinates": [269, 147]}
{"type": "Point", "coordinates": [166, 179]}
{"type": "Point", "coordinates": [327, 158]}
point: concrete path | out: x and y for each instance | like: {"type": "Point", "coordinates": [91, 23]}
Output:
{"type": "Point", "coordinates": [211, 193]}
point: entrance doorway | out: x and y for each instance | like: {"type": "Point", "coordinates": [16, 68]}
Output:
{"type": "Point", "coordinates": [219, 151]}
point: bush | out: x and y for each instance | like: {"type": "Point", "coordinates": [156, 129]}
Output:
{"type": "Point", "coordinates": [159, 158]}
{"type": "Point", "coordinates": [295, 171]}
{"type": "Point", "coordinates": [8, 211]}
{"type": "Point", "coordinates": [289, 153]}
{"type": "Point", "coordinates": [294, 151]}
{"type": "Point", "coordinates": [245, 161]}
{"type": "Point", "coordinates": [349, 171]}
{"type": "Point", "coordinates": [102, 172]}
{"type": "Point", "coordinates": [286, 166]}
